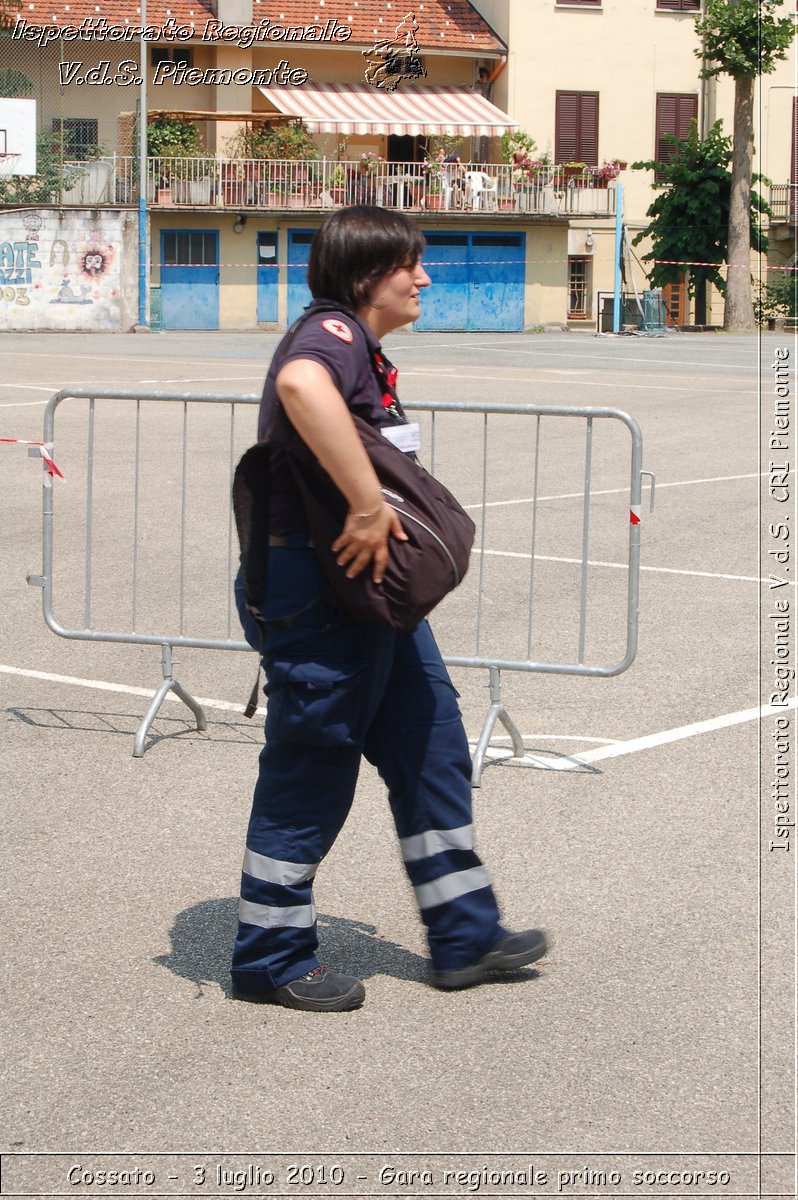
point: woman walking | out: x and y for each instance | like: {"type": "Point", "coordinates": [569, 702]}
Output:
{"type": "Point", "coordinates": [338, 688]}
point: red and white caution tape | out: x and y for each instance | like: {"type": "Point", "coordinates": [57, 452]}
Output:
{"type": "Point", "coordinates": [44, 449]}
{"type": "Point", "coordinates": [680, 262]}
{"type": "Point", "coordinates": [635, 514]}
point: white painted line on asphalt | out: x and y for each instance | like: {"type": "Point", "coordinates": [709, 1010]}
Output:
{"type": "Point", "coordinates": [594, 383]}
{"type": "Point", "coordinates": [101, 685]}
{"type": "Point", "coordinates": [625, 566]}
{"type": "Point", "coordinates": [612, 749]}
{"type": "Point", "coordinates": [634, 745]}
{"type": "Point", "coordinates": [29, 387]}
{"type": "Point", "coordinates": [25, 404]}
{"type": "Point", "coordinates": [617, 491]}
{"type": "Point", "coordinates": [203, 379]}
{"type": "Point", "coordinates": [546, 352]}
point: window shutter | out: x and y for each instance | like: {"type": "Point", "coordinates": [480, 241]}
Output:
{"type": "Point", "coordinates": [576, 127]}
{"type": "Point", "coordinates": [584, 3]}
{"type": "Point", "coordinates": [679, 5]}
{"type": "Point", "coordinates": [588, 128]}
{"type": "Point", "coordinates": [565, 127]}
{"type": "Point", "coordinates": [674, 114]}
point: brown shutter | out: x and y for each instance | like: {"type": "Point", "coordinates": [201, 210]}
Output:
{"type": "Point", "coordinates": [679, 5]}
{"type": "Point", "coordinates": [584, 3]}
{"type": "Point", "coordinates": [588, 128]}
{"type": "Point", "coordinates": [674, 114]}
{"type": "Point", "coordinates": [576, 127]}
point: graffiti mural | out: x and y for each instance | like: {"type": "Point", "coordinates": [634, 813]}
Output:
{"type": "Point", "coordinates": [65, 270]}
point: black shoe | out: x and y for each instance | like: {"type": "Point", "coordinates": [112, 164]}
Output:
{"type": "Point", "coordinates": [318, 991]}
{"type": "Point", "coordinates": [515, 950]}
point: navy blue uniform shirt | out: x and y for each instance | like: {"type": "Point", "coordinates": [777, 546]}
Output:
{"type": "Point", "coordinates": [344, 346]}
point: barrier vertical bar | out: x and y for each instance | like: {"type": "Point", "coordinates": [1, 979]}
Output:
{"type": "Point", "coordinates": [482, 530]}
{"type": "Point", "coordinates": [585, 538]}
{"type": "Point", "coordinates": [231, 465]}
{"type": "Point", "coordinates": [533, 537]}
{"type": "Point", "coordinates": [89, 517]}
{"type": "Point", "coordinates": [136, 493]}
{"type": "Point", "coordinates": [182, 588]}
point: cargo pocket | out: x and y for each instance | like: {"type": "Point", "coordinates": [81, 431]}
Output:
{"type": "Point", "coordinates": [315, 704]}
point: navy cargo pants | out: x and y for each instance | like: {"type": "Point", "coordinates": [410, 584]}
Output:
{"type": "Point", "coordinates": [338, 689]}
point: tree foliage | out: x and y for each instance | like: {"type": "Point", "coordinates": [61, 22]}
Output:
{"type": "Point", "coordinates": [742, 38]}
{"type": "Point", "coordinates": [690, 216]}
{"type": "Point", "coordinates": [43, 187]}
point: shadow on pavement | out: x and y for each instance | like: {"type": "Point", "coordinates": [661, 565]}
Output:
{"type": "Point", "coordinates": [202, 939]}
{"type": "Point", "coordinates": [164, 728]}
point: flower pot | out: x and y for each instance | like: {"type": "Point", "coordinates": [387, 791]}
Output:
{"type": "Point", "coordinates": [434, 203]}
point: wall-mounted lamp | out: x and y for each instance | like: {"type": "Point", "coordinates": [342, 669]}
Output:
{"type": "Point", "coordinates": [241, 221]}
{"type": "Point", "coordinates": [589, 240]}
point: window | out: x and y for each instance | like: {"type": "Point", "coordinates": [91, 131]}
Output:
{"type": "Point", "coordinates": [578, 290]}
{"type": "Point", "coordinates": [679, 5]}
{"type": "Point", "coordinates": [581, 3]}
{"type": "Point", "coordinates": [674, 114]}
{"type": "Point", "coordinates": [576, 127]}
{"type": "Point", "coordinates": [189, 249]}
{"type": "Point", "coordinates": [78, 136]}
{"type": "Point", "coordinates": [181, 56]}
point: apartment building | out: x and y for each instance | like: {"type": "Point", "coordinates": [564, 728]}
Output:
{"type": "Point", "coordinates": [228, 234]}
{"type": "Point", "coordinates": [595, 80]}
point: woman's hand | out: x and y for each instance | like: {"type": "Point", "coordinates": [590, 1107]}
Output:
{"type": "Point", "coordinates": [364, 539]}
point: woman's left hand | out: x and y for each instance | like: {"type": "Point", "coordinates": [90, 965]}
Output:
{"type": "Point", "coordinates": [365, 538]}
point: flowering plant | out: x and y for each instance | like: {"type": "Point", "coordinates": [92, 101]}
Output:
{"type": "Point", "coordinates": [607, 170]}
{"type": "Point", "coordinates": [525, 172]}
{"type": "Point", "coordinates": [370, 161]}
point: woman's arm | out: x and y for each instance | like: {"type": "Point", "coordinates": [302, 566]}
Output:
{"type": "Point", "coordinates": [318, 412]}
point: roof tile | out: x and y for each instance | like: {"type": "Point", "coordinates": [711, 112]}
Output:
{"type": "Point", "coordinates": [443, 24]}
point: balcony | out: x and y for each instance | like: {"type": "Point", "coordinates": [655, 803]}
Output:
{"type": "Point", "coordinates": [239, 185]}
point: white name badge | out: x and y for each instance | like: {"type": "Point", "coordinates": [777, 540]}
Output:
{"type": "Point", "coordinates": [404, 437]}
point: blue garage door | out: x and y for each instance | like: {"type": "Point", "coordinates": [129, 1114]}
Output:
{"type": "Point", "coordinates": [267, 276]}
{"type": "Point", "coordinates": [477, 282]}
{"type": "Point", "coordinates": [190, 278]}
{"type": "Point", "coordinates": [299, 296]}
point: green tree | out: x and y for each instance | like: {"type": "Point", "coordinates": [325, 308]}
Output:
{"type": "Point", "coordinates": [690, 215]}
{"type": "Point", "coordinates": [743, 39]}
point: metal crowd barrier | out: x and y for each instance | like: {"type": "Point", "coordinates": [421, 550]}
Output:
{"type": "Point", "coordinates": [155, 469]}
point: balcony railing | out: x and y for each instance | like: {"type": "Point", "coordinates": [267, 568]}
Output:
{"type": "Point", "coordinates": [319, 185]}
{"type": "Point", "coordinates": [784, 202]}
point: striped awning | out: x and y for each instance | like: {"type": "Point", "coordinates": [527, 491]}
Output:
{"type": "Point", "coordinates": [416, 111]}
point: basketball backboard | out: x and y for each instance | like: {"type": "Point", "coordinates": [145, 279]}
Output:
{"type": "Point", "coordinates": [17, 137]}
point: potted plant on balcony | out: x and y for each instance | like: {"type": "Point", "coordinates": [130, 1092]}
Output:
{"type": "Point", "coordinates": [601, 176]}
{"type": "Point", "coordinates": [174, 138]}
{"type": "Point", "coordinates": [280, 145]}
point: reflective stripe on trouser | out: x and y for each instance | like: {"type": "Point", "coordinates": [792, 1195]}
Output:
{"type": "Point", "coordinates": [338, 689]}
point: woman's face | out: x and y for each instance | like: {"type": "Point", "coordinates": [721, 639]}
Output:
{"type": "Point", "coordinates": [396, 299]}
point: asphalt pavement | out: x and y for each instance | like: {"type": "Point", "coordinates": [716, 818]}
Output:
{"type": "Point", "coordinates": [656, 1036]}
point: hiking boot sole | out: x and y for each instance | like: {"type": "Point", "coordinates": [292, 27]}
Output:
{"type": "Point", "coordinates": [494, 960]}
{"type": "Point", "coordinates": [284, 997]}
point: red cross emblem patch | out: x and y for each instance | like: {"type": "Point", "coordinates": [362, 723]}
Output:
{"type": "Point", "coordinates": [338, 329]}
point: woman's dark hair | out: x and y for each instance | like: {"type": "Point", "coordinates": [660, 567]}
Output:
{"type": "Point", "coordinates": [355, 248]}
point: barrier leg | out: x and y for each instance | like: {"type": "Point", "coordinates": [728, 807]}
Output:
{"type": "Point", "coordinates": [169, 684]}
{"type": "Point", "coordinates": [496, 712]}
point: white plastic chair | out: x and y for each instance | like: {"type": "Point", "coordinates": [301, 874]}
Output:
{"type": "Point", "coordinates": [481, 190]}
